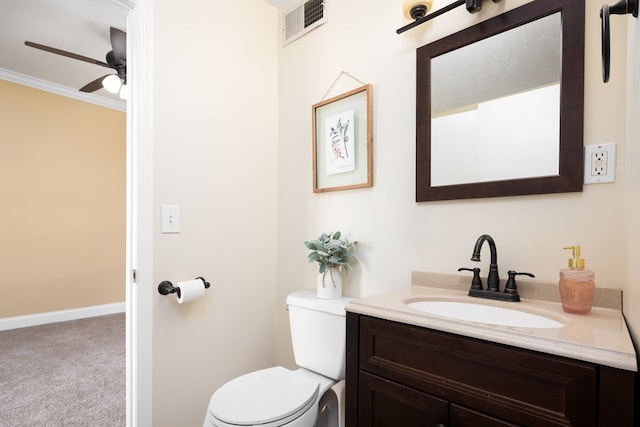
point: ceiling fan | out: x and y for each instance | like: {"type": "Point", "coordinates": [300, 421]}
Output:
{"type": "Point", "coordinates": [116, 60]}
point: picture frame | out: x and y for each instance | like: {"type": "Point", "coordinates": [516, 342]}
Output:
{"type": "Point", "coordinates": [343, 141]}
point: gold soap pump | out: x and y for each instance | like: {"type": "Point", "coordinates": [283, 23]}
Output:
{"type": "Point", "coordinates": [577, 284]}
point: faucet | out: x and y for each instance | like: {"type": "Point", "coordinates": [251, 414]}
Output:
{"type": "Point", "coordinates": [493, 280]}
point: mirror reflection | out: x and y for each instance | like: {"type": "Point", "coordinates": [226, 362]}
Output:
{"type": "Point", "coordinates": [495, 106]}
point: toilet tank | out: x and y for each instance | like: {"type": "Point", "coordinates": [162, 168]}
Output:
{"type": "Point", "coordinates": [318, 332]}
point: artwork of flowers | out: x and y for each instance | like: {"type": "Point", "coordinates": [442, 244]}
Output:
{"type": "Point", "coordinates": [340, 143]}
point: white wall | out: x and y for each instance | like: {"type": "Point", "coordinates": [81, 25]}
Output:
{"type": "Point", "coordinates": [632, 189]}
{"type": "Point", "coordinates": [215, 155]}
{"type": "Point", "coordinates": [467, 148]}
{"type": "Point", "coordinates": [398, 235]}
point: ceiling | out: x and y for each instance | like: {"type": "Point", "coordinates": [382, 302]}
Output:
{"type": "Point", "coordinates": [78, 26]}
{"type": "Point", "coordinates": [278, 3]}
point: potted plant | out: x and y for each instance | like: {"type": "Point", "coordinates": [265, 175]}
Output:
{"type": "Point", "coordinates": [333, 255]}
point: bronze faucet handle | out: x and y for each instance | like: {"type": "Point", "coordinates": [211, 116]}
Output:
{"type": "Point", "coordinates": [476, 282]}
{"type": "Point", "coordinates": [511, 287]}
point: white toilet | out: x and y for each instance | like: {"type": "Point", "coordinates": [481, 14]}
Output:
{"type": "Point", "coordinates": [310, 396]}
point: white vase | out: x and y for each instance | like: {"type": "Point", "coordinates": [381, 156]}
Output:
{"type": "Point", "coordinates": [330, 284]}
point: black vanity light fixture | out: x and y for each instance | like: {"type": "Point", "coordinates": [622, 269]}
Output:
{"type": "Point", "coordinates": [622, 7]}
{"type": "Point", "coordinates": [418, 11]}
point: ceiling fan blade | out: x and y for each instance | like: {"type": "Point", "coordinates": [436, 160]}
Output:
{"type": "Point", "coordinates": [67, 54]}
{"type": "Point", "coordinates": [119, 43]}
{"type": "Point", "coordinates": [94, 85]}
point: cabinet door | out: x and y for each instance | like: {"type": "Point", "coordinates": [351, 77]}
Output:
{"type": "Point", "coordinates": [464, 417]}
{"type": "Point", "coordinates": [521, 386]}
{"type": "Point", "coordinates": [384, 403]}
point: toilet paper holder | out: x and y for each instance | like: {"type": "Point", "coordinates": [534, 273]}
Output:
{"type": "Point", "coordinates": [166, 287]}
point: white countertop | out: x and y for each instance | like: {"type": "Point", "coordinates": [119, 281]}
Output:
{"type": "Point", "coordinates": [600, 337]}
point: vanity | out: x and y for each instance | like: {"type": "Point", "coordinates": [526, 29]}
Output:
{"type": "Point", "coordinates": [430, 354]}
{"type": "Point", "coordinates": [406, 367]}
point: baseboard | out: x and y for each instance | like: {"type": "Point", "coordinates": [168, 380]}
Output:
{"type": "Point", "coordinates": [60, 316]}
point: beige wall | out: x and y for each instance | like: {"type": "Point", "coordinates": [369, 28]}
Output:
{"type": "Point", "coordinates": [232, 147]}
{"type": "Point", "coordinates": [62, 192]}
{"type": "Point", "coordinates": [215, 155]}
{"type": "Point", "coordinates": [397, 234]}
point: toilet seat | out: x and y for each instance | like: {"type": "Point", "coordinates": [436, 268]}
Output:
{"type": "Point", "coordinates": [269, 397]}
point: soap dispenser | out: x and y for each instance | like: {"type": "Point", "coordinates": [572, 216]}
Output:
{"type": "Point", "coordinates": [577, 285]}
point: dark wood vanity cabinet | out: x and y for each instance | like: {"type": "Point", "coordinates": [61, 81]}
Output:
{"type": "Point", "coordinates": [400, 375]}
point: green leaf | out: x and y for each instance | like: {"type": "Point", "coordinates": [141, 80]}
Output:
{"type": "Point", "coordinates": [330, 251]}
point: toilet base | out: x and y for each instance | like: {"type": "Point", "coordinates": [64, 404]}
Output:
{"type": "Point", "coordinates": [331, 407]}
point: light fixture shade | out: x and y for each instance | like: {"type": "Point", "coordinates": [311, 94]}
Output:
{"type": "Point", "coordinates": [124, 92]}
{"type": "Point", "coordinates": [112, 83]}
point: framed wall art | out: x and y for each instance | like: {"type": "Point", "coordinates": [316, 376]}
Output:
{"type": "Point", "coordinates": [342, 141]}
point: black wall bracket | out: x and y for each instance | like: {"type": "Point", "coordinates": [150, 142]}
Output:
{"type": "Point", "coordinates": [622, 7]}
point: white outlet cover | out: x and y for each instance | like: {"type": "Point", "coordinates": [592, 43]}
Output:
{"type": "Point", "coordinates": [590, 153]}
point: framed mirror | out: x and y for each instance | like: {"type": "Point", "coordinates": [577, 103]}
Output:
{"type": "Point", "coordinates": [500, 106]}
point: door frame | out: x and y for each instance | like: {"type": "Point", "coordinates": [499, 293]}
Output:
{"type": "Point", "coordinates": [139, 253]}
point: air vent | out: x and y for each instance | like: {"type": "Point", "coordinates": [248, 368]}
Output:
{"type": "Point", "coordinates": [304, 18]}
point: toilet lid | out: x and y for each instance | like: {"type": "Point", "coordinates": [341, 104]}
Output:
{"type": "Point", "coordinates": [263, 397]}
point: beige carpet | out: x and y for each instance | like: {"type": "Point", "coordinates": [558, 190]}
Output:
{"type": "Point", "coordinates": [64, 374]}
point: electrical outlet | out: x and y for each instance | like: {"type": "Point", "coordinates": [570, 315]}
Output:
{"type": "Point", "coordinates": [600, 163]}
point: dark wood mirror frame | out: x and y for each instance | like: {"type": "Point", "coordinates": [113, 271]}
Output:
{"type": "Point", "coordinates": [571, 167]}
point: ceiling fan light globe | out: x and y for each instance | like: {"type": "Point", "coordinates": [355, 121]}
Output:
{"type": "Point", "coordinates": [112, 83]}
{"type": "Point", "coordinates": [124, 92]}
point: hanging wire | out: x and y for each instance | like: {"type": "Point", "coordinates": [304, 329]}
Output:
{"type": "Point", "coordinates": [342, 73]}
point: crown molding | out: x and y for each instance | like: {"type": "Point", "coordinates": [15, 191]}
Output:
{"type": "Point", "coordinates": [36, 83]}
{"type": "Point", "coordinates": [127, 4]}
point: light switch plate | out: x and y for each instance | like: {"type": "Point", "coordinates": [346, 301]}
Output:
{"type": "Point", "coordinates": [170, 218]}
{"type": "Point", "coordinates": [600, 163]}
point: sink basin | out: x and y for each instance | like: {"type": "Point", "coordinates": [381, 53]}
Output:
{"type": "Point", "coordinates": [484, 314]}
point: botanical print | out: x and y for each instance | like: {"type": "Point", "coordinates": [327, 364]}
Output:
{"type": "Point", "coordinates": [340, 143]}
